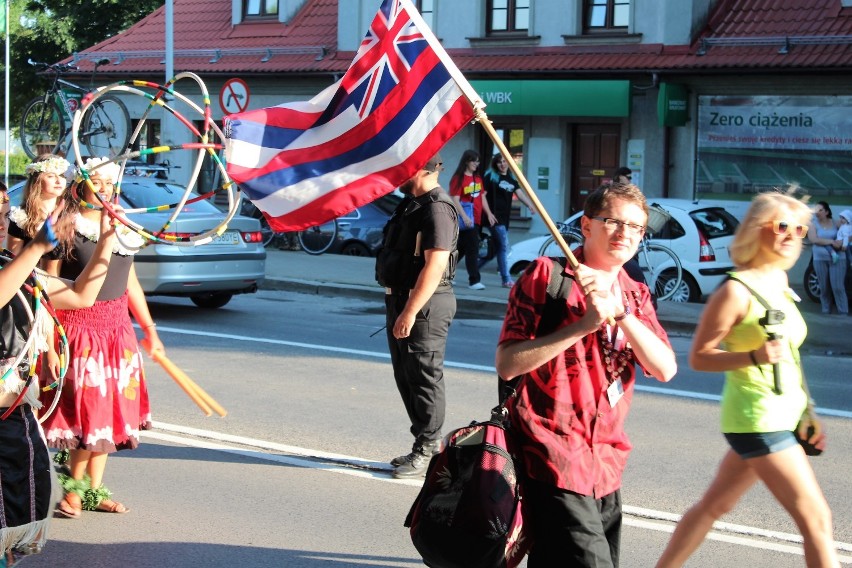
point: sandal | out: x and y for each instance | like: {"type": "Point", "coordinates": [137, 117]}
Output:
{"type": "Point", "coordinates": [110, 506]}
{"type": "Point", "coordinates": [71, 506]}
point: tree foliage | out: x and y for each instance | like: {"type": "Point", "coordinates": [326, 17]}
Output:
{"type": "Point", "coordinates": [51, 30]}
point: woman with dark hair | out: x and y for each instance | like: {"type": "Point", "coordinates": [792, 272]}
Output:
{"type": "Point", "coordinates": [467, 191]}
{"type": "Point", "coordinates": [500, 187]}
{"type": "Point", "coordinates": [764, 398]}
{"type": "Point", "coordinates": [829, 271]}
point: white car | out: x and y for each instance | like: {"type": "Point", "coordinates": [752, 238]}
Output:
{"type": "Point", "coordinates": [698, 232]}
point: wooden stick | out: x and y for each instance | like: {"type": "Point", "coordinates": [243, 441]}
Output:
{"type": "Point", "coordinates": [482, 118]}
{"type": "Point", "coordinates": [182, 380]}
{"type": "Point", "coordinates": [217, 408]}
{"type": "Point", "coordinates": [519, 175]}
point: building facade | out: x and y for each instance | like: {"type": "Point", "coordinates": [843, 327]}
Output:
{"type": "Point", "coordinates": [699, 98]}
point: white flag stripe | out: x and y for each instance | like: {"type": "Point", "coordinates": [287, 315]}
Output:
{"type": "Point", "coordinates": [291, 198]}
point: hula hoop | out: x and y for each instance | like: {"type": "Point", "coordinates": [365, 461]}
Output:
{"type": "Point", "coordinates": [41, 301]}
{"type": "Point", "coordinates": [204, 148]}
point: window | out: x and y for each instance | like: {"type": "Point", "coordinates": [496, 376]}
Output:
{"type": "Point", "coordinates": [508, 16]}
{"type": "Point", "coordinates": [149, 137]}
{"type": "Point", "coordinates": [607, 15]}
{"type": "Point", "coordinates": [260, 8]}
{"type": "Point", "coordinates": [427, 10]}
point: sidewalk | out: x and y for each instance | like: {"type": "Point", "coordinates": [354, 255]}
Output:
{"type": "Point", "coordinates": [338, 275]}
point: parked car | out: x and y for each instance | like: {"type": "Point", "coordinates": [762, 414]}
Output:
{"type": "Point", "coordinates": [210, 274]}
{"type": "Point", "coordinates": [697, 232]}
{"type": "Point", "coordinates": [359, 232]}
{"type": "Point", "coordinates": [811, 282]}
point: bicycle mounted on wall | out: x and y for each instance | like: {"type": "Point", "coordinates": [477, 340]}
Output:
{"type": "Point", "coordinates": [105, 127]}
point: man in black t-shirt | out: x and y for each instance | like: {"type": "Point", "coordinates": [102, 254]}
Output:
{"type": "Point", "coordinates": [416, 265]}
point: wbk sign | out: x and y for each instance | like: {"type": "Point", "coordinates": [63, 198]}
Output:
{"type": "Point", "coordinates": [499, 97]}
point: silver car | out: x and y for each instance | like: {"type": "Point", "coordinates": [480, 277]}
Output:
{"type": "Point", "coordinates": [210, 274]}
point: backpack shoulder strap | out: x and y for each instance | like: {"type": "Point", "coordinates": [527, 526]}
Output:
{"type": "Point", "coordinates": [559, 285]}
{"type": "Point", "coordinates": [758, 297]}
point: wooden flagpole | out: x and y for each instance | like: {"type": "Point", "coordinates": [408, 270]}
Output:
{"type": "Point", "coordinates": [482, 118]}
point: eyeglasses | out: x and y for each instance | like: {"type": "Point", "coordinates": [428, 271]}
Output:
{"type": "Point", "coordinates": [785, 228]}
{"type": "Point", "coordinates": [616, 224]}
{"type": "Point", "coordinates": [629, 177]}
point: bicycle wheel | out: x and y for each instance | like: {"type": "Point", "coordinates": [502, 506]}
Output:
{"type": "Point", "coordinates": [42, 128]}
{"type": "Point", "coordinates": [549, 247]}
{"type": "Point", "coordinates": [318, 239]}
{"type": "Point", "coordinates": [661, 268]}
{"type": "Point", "coordinates": [106, 127]}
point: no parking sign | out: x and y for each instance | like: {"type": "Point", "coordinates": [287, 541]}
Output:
{"type": "Point", "coordinates": [234, 96]}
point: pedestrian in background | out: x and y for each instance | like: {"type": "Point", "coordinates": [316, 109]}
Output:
{"type": "Point", "coordinates": [622, 175]}
{"type": "Point", "coordinates": [500, 187]}
{"type": "Point", "coordinates": [757, 416]}
{"type": "Point", "coordinates": [466, 189]}
{"type": "Point", "coordinates": [578, 373]}
{"type": "Point", "coordinates": [416, 265]}
{"type": "Point", "coordinates": [830, 273]}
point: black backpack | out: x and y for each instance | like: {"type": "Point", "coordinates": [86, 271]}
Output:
{"type": "Point", "coordinates": [468, 513]}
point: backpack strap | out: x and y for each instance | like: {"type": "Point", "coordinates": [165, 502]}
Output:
{"type": "Point", "coordinates": [559, 286]}
{"type": "Point", "coordinates": [558, 289]}
{"type": "Point", "coordinates": [758, 297]}
{"type": "Point", "coordinates": [763, 322]}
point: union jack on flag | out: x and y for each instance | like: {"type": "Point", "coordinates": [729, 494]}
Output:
{"type": "Point", "coordinates": [399, 102]}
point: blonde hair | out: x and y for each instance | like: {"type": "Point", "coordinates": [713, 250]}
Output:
{"type": "Point", "coordinates": [764, 209]}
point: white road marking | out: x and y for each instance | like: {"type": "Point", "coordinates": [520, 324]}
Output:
{"type": "Point", "coordinates": [452, 364]}
{"type": "Point", "coordinates": [648, 519]}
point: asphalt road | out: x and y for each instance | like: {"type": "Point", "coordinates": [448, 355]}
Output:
{"type": "Point", "coordinates": [295, 475]}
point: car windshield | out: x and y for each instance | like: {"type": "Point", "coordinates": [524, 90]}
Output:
{"type": "Point", "coordinates": [153, 193]}
{"type": "Point", "coordinates": [715, 222]}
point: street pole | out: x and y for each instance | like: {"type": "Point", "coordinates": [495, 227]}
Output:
{"type": "Point", "coordinates": [165, 139]}
{"type": "Point", "coordinates": [6, 91]}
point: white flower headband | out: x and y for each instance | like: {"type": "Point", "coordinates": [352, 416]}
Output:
{"type": "Point", "coordinates": [107, 171]}
{"type": "Point", "coordinates": [55, 165]}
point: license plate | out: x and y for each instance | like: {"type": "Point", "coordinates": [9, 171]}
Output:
{"type": "Point", "coordinates": [226, 238]}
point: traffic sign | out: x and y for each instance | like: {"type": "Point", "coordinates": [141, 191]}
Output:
{"type": "Point", "coordinates": [234, 96]}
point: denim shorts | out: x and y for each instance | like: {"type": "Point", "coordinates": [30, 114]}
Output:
{"type": "Point", "coordinates": [754, 445]}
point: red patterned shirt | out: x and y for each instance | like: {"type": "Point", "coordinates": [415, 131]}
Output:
{"type": "Point", "coordinates": [570, 435]}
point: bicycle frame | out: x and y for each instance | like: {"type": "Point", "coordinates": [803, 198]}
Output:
{"type": "Point", "coordinates": [68, 99]}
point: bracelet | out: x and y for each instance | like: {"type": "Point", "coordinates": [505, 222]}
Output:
{"type": "Point", "coordinates": [149, 325]}
{"type": "Point", "coordinates": [622, 315]}
{"type": "Point", "coordinates": [753, 358]}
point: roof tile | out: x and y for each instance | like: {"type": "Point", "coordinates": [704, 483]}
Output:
{"type": "Point", "coordinates": [721, 45]}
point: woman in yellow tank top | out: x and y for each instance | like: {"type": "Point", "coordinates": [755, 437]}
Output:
{"type": "Point", "coordinates": [758, 416]}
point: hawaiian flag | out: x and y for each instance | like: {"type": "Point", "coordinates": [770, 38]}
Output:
{"type": "Point", "coordinates": [401, 100]}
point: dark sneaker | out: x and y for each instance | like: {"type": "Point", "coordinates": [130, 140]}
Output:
{"type": "Point", "coordinates": [414, 467]}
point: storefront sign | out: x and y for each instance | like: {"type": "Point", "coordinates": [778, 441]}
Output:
{"type": "Point", "coordinates": [672, 105]}
{"type": "Point", "coordinates": [555, 98]}
{"type": "Point", "coordinates": [778, 123]}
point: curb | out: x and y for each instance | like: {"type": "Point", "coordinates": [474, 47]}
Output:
{"type": "Point", "coordinates": [467, 306]}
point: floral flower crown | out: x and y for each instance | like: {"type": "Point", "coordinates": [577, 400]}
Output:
{"type": "Point", "coordinates": [54, 165]}
{"type": "Point", "coordinates": [107, 171]}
